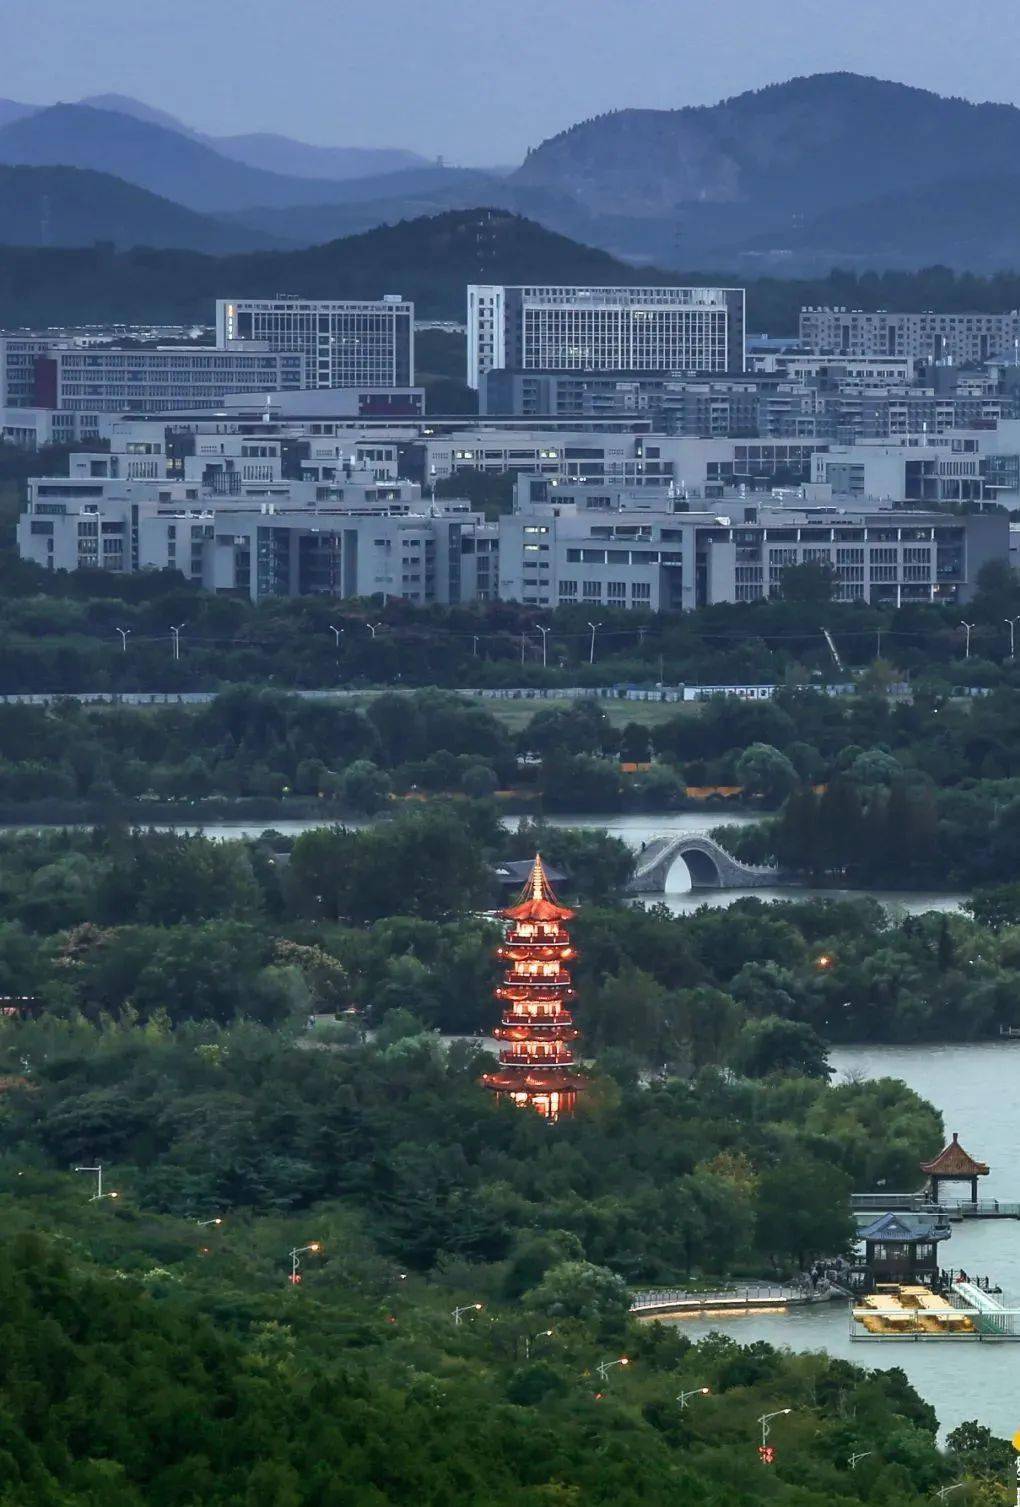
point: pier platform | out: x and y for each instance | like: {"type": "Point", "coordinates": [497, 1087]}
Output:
{"type": "Point", "coordinates": [867, 1205]}
{"type": "Point", "coordinates": [964, 1312]}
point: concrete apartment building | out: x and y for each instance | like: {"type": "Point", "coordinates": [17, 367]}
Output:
{"type": "Point", "coordinates": [278, 347]}
{"type": "Point", "coordinates": [346, 342]}
{"type": "Point", "coordinates": [268, 539]}
{"type": "Point", "coordinates": [610, 329]}
{"type": "Point", "coordinates": [258, 511]}
{"type": "Point", "coordinates": [621, 458]}
{"type": "Point", "coordinates": [958, 466]}
{"type": "Point", "coordinates": [589, 549]}
{"type": "Point", "coordinates": [960, 338]}
{"type": "Point", "coordinates": [103, 379]}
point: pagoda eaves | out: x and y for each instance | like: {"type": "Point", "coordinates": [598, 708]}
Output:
{"type": "Point", "coordinates": [536, 1060]}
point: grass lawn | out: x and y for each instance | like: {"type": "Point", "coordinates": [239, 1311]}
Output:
{"type": "Point", "coordinates": [516, 715]}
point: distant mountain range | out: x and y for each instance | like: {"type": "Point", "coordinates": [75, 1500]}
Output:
{"type": "Point", "coordinates": [275, 154]}
{"type": "Point", "coordinates": [66, 206]}
{"type": "Point", "coordinates": [834, 169]}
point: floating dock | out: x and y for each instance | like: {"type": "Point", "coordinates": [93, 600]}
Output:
{"type": "Point", "coordinates": [964, 1312]}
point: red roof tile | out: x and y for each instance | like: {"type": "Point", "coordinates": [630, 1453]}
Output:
{"type": "Point", "coordinates": [953, 1161]}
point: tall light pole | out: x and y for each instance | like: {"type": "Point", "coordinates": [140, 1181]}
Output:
{"type": "Point", "coordinates": [295, 1260]}
{"type": "Point", "coordinates": [124, 634]}
{"type": "Point", "coordinates": [682, 1397]}
{"type": "Point", "coordinates": [604, 1367]}
{"type": "Point", "coordinates": [203, 1222]}
{"type": "Point", "coordinates": [545, 644]}
{"type": "Point", "coordinates": [766, 1420]}
{"type": "Point", "coordinates": [372, 629]}
{"type": "Point", "coordinates": [859, 1454]}
{"type": "Point", "coordinates": [944, 1491]}
{"type": "Point", "coordinates": [175, 639]}
{"type": "Point", "coordinates": [529, 1340]}
{"type": "Point", "coordinates": [474, 645]}
{"type": "Point", "coordinates": [968, 629]}
{"type": "Point", "coordinates": [1012, 621]}
{"type": "Point", "coordinates": [591, 652]}
{"type": "Point", "coordinates": [98, 1194]}
{"type": "Point", "coordinates": [338, 634]}
{"type": "Point", "coordinates": [458, 1313]}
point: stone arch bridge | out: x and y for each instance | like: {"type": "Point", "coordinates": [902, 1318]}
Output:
{"type": "Point", "coordinates": [708, 863]}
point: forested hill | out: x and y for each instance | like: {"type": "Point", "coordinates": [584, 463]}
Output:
{"type": "Point", "coordinates": [69, 206]}
{"type": "Point", "coordinates": [770, 160]}
{"type": "Point", "coordinates": [430, 260]}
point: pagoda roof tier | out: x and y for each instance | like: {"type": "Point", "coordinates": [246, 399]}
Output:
{"type": "Point", "coordinates": [537, 901]}
{"type": "Point", "coordinates": [534, 1080]}
{"type": "Point", "coordinates": [534, 995]}
{"type": "Point", "coordinates": [953, 1161]}
{"type": "Point", "coordinates": [514, 1030]}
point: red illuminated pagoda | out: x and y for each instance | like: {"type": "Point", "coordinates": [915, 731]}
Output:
{"type": "Point", "coordinates": [536, 1059]}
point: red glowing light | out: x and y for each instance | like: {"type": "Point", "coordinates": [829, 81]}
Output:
{"type": "Point", "coordinates": [767, 1454]}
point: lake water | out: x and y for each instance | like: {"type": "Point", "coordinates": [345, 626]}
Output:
{"type": "Point", "coordinates": [975, 1087]}
{"type": "Point", "coordinates": [633, 830]}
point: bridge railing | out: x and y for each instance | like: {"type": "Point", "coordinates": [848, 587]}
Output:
{"type": "Point", "coordinates": [894, 1202]}
{"type": "Point", "coordinates": [683, 1298]}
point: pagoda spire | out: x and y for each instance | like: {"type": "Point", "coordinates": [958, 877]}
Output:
{"type": "Point", "coordinates": [536, 1060]}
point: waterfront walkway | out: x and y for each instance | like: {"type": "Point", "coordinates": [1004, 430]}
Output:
{"type": "Point", "coordinates": [919, 1203]}
{"type": "Point", "coordinates": [666, 1300]}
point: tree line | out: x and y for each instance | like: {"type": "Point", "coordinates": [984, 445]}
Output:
{"type": "Point", "coordinates": [117, 924]}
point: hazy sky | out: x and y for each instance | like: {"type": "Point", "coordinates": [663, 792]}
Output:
{"type": "Point", "coordinates": [481, 82]}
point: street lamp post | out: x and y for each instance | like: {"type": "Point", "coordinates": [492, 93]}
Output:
{"type": "Point", "coordinates": [766, 1419]}
{"type": "Point", "coordinates": [859, 1454]}
{"type": "Point", "coordinates": [695, 1392]}
{"type": "Point", "coordinates": [591, 652]}
{"type": "Point", "coordinates": [338, 634]}
{"type": "Point", "coordinates": [295, 1260]}
{"type": "Point", "coordinates": [944, 1491]}
{"type": "Point", "coordinates": [466, 1308]}
{"type": "Point", "coordinates": [175, 639]}
{"type": "Point", "coordinates": [124, 634]}
{"type": "Point", "coordinates": [545, 643]}
{"type": "Point", "coordinates": [474, 645]}
{"type": "Point", "coordinates": [203, 1222]}
{"type": "Point", "coordinates": [1012, 622]}
{"type": "Point", "coordinates": [968, 629]}
{"type": "Point", "coordinates": [529, 1340]}
{"type": "Point", "coordinates": [372, 629]}
{"type": "Point", "coordinates": [604, 1367]}
{"type": "Point", "coordinates": [98, 1194]}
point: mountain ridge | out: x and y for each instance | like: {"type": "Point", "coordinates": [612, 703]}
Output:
{"type": "Point", "coordinates": [73, 207]}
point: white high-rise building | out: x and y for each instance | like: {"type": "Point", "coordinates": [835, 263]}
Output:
{"type": "Point", "coordinates": [346, 343]}
{"type": "Point", "coordinates": [551, 328]}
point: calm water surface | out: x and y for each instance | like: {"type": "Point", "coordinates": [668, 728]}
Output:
{"type": "Point", "coordinates": [634, 830]}
{"type": "Point", "coordinates": [975, 1087]}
